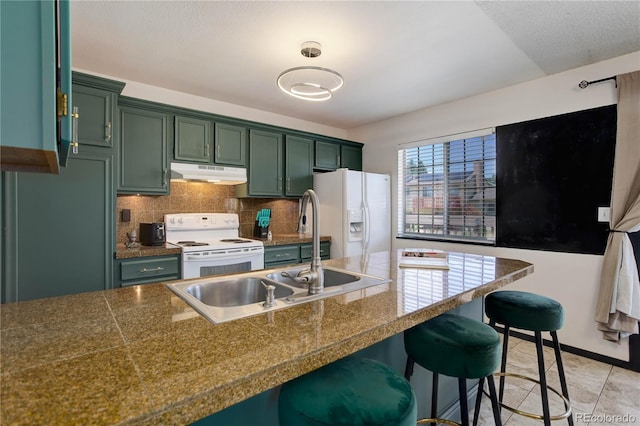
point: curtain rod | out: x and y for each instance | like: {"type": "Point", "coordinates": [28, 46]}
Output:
{"type": "Point", "coordinates": [584, 83]}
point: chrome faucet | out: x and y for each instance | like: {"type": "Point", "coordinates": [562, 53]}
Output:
{"type": "Point", "coordinates": [313, 277]}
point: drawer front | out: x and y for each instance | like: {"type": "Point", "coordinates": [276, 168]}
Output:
{"type": "Point", "coordinates": [306, 251]}
{"type": "Point", "coordinates": [137, 269]}
{"type": "Point", "coordinates": [289, 254]}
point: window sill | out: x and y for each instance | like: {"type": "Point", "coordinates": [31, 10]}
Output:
{"type": "Point", "coordinates": [446, 240]}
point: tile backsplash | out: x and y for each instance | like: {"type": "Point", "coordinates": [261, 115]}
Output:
{"type": "Point", "coordinates": [201, 197]}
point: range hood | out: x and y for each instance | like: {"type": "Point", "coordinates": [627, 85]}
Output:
{"type": "Point", "coordinates": [222, 175]}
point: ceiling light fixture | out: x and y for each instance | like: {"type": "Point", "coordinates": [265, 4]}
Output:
{"type": "Point", "coordinates": [310, 83]}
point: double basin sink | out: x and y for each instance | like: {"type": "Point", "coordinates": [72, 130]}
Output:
{"type": "Point", "coordinates": [231, 297]}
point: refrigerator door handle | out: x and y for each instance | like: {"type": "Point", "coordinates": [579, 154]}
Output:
{"type": "Point", "coordinates": [367, 227]}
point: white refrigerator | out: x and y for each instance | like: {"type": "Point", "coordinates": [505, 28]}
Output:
{"type": "Point", "coordinates": [355, 211]}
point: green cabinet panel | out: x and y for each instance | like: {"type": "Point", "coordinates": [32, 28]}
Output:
{"type": "Point", "coordinates": [351, 157]}
{"type": "Point", "coordinates": [327, 155]}
{"type": "Point", "coordinates": [230, 145]}
{"type": "Point", "coordinates": [96, 108]}
{"type": "Point", "coordinates": [298, 165]}
{"type": "Point", "coordinates": [142, 155]}
{"type": "Point", "coordinates": [145, 270]}
{"type": "Point", "coordinates": [281, 255]}
{"type": "Point", "coordinates": [29, 39]}
{"type": "Point", "coordinates": [192, 139]}
{"type": "Point", "coordinates": [60, 229]}
{"type": "Point", "coordinates": [306, 251]}
{"type": "Point", "coordinates": [265, 164]}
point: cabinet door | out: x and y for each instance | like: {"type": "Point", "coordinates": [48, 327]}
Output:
{"type": "Point", "coordinates": [192, 140]}
{"type": "Point", "coordinates": [351, 157]}
{"type": "Point", "coordinates": [96, 108]}
{"type": "Point", "coordinates": [230, 145]}
{"type": "Point", "coordinates": [298, 165]}
{"type": "Point", "coordinates": [327, 155]}
{"type": "Point", "coordinates": [265, 164]}
{"type": "Point", "coordinates": [28, 81]}
{"type": "Point", "coordinates": [142, 157]}
{"type": "Point", "coordinates": [60, 229]}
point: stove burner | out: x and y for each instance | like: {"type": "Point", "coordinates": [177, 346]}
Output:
{"type": "Point", "coordinates": [234, 240]}
{"type": "Point", "coordinates": [191, 243]}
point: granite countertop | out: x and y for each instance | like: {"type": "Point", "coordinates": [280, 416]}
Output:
{"type": "Point", "coordinates": [123, 252]}
{"type": "Point", "coordinates": [283, 239]}
{"type": "Point", "coordinates": [140, 355]}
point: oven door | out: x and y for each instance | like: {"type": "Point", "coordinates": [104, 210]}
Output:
{"type": "Point", "coordinates": [217, 262]}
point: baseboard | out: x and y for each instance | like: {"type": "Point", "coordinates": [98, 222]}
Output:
{"type": "Point", "coordinates": [634, 350]}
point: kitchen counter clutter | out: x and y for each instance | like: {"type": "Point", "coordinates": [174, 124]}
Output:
{"type": "Point", "coordinates": [140, 355]}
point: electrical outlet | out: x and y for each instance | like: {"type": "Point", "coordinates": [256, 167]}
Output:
{"type": "Point", "coordinates": [604, 214]}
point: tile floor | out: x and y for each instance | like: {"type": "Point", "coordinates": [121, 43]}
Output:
{"type": "Point", "coordinates": [600, 393]}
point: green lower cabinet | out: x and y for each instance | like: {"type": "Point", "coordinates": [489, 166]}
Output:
{"type": "Point", "coordinates": [306, 251]}
{"type": "Point", "coordinates": [290, 254]}
{"type": "Point", "coordinates": [281, 255]}
{"type": "Point", "coordinates": [145, 270]}
{"type": "Point", "coordinates": [60, 229]}
{"type": "Point", "coordinates": [142, 155]}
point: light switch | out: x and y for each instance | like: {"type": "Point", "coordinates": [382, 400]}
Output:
{"type": "Point", "coordinates": [604, 214]}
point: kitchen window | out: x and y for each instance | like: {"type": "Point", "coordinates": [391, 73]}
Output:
{"type": "Point", "coordinates": [447, 188]}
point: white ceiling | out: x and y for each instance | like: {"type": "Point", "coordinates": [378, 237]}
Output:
{"type": "Point", "coordinates": [395, 56]}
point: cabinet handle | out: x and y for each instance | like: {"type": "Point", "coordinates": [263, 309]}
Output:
{"type": "Point", "coordinates": [288, 184]}
{"type": "Point", "coordinates": [107, 132]}
{"type": "Point", "coordinates": [74, 130]}
{"type": "Point", "coordinates": [283, 255]}
{"type": "Point", "coordinates": [164, 177]}
{"type": "Point", "coordinates": [206, 150]}
{"type": "Point", "coordinates": [217, 152]}
{"type": "Point", "coordinates": [338, 160]}
{"type": "Point", "coordinates": [159, 268]}
{"type": "Point", "coordinates": [280, 183]}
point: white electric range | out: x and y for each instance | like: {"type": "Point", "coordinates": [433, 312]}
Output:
{"type": "Point", "coordinates": [211, 244]}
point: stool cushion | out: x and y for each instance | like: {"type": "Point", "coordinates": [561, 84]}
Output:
{"type": "Point", "coordinates": [527, 311]}
{"type": "Point", "coordinates": [351, 391]}
{"type": "Point", "coordinates": [455, 346]}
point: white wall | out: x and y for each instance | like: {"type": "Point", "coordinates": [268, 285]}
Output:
{"type": "Point", "coordinates": [139, 90]}
{"type": "Point", "coordinates": [572, 279]}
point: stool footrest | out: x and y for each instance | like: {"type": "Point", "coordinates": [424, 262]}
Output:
{"type": "Point", "coordinates": [438, 421]}
{"type": "Point", "coordinates": [567, 403]}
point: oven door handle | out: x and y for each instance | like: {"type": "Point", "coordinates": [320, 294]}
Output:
{"type": "Point", "coordinates": [224, 255]}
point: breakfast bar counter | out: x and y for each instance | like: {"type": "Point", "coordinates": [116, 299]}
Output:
{"type": "Point", "coordinates": [141, 355]}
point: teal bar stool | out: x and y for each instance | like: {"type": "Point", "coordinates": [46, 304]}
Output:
{"type": "Point", "coordinates": [349, 392]}
{"type": "Point", "coordinates": [458, 347]}
{"type": "Point", "coordinates": [532, 312]}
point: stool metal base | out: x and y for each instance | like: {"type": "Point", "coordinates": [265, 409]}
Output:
{"type": "Point", "coordinates": [438, 421]}
{"type": "Point", "coordinates": [562, 416]}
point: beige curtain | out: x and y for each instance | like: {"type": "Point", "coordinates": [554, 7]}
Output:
{"type": "Point", "coordinates": [618, 307]}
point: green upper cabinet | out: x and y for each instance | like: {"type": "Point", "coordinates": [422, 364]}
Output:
{"type": "Point", "coordinates": [192, 139]}
{"type": "Point", "coordinates": [327, 155]}
{"type": "Point", "coordinates": [265, 165]}
{"type": "Point", "coordinates": [230, 145]}
{"type": "Point", "coordinates": [351, 157]}
{"type": "Point", "coordinates": [142, 155]}
{"type": "Point", "coordinates": [96, 99]}
{"type": "Point", "coordinates": [298, 166]}
{"type": "Point", "coordinates": [29, 36]}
